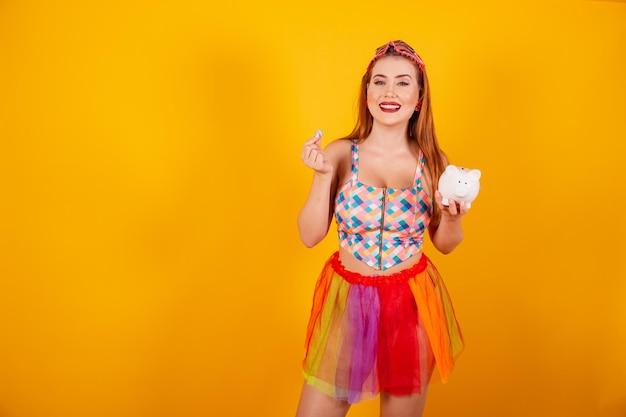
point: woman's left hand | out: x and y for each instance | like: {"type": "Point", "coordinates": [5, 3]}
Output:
{"type": "Point", "coordinates": [454, 210]}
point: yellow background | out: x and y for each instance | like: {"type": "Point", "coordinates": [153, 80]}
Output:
{"type": "Point", "coordinates": [150, 182]}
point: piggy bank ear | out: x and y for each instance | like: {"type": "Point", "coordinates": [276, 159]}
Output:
{"type": "Point", "coordinates": [475, 173]}
{"type": "Point", "coordinates": [451, 169]}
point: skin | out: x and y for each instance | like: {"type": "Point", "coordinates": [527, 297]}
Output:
{"type": "Point", "coordinates": [386, 159]}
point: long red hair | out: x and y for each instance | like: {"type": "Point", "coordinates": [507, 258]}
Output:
{"type": "Point", "coordinates": [421, 128]}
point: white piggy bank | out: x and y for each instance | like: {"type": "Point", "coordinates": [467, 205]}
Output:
{"type": "Point", "coordinates": [459, 184]}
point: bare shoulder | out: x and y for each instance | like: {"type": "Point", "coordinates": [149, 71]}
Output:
{"type": "Point", "coordinates": [338, 148]}
{"type": "Point", "coordinates": [338, 153]}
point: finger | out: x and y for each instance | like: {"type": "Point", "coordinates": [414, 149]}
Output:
{"type": "Point", "coordinates": [315, 139]}
{"type": "Point", "coordinates": [312, 143]}
{"type": "Point", "coordinates": [317, 159]}
{"type": "Point", "coordinates": [317, 142]}
{"type": "Point", "coordinates": [463, 208]}
{"type": "Point", "coordinates": [320, 159]}
{"type": "Point", "coordinates": [307, 150]}
{"type": "Point", "coordinates": [439, 200]}
{"type": "Point", "coordinates": [452, 207]}
{"type": "Point", "coordinates": [308, 157]}
{"type": "Point", "coordinates": [314, 158]}
{"type": "Point", "coordinates": [311, 152]}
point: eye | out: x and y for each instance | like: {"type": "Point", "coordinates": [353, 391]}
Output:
{"type": "Point", "coordinates": [403, 83]}
{"type": "Point", "coordinates": [379, 82]}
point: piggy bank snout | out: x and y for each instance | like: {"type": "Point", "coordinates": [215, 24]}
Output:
{"type": "Point", "coordinates": [462, 190]}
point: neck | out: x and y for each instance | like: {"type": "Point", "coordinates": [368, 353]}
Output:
{"type": "Point", "coordinates": [385, 136]}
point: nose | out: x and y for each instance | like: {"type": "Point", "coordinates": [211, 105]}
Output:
{"type": "Point", "coordinates": [390, 92]}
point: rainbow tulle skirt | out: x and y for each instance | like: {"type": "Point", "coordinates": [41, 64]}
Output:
{"type": "Point", "coordinates": [371, 334]}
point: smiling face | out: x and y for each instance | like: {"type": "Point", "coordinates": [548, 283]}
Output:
{"type": "Point", "coordinates": [393, 90]}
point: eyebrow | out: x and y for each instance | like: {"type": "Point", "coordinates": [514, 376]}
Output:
{"type": "Point", "coordinates": [397, 76]}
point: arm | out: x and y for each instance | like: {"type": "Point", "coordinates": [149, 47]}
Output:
{"type": "Point", "coordinates": [448, 233]}
{"type": "Point", "coordinates": [317, 213]}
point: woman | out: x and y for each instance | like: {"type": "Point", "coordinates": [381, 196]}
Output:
{"type": "Point", "coordinates": [381, 320]}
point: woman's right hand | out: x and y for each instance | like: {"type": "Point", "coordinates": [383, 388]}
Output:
{"type": "Point", "coordinates": [313, 156]}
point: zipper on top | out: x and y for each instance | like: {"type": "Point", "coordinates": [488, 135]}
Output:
{"type": "Point", "coordinates": [382, 227]}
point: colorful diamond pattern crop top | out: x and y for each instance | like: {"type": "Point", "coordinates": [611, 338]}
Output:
{"type": "Point", "coordinates": [382, 226]}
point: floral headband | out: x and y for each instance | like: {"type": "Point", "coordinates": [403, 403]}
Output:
{"type": "Point", "coordinates": [401, 48]}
